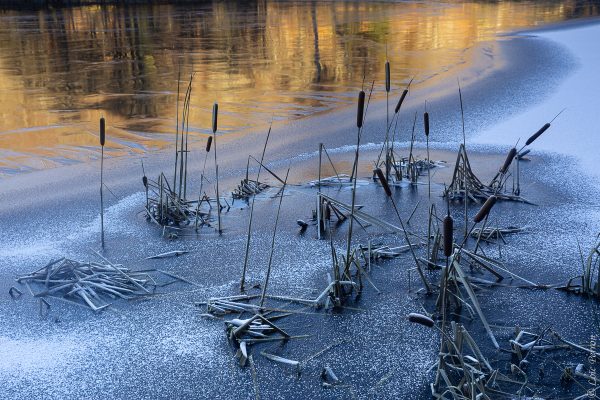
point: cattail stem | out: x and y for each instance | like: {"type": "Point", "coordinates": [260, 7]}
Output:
{"type": "Point", "coordinates": [388, 192]}
{"type": "Point", "coordinates": [426, 126]}
{"type": "Point", "coordinates": [102, 196]}
{"type": "Point", "coordinates": [218, 201]}
{"type": "Point", "coordinates": [214, 129]}
{"type": "Point", "coordinates": [517, 191]}
{"type": "Point", "coordinates": [184, 140]}
{"type": "Point", "coordinates": [428, 171]}
{"type": "Point", "coordinates": [264, 289]}
{"type": "Point", "coordinates": [187, 134]}
{"type": "Point", "coordinates": [466, 199]}
{"type": "Point", "coordinates": [102, 141]}
{"type": "Point", "coordinates": [387, 134]}
{"type": "Point", "coordinates": [208, 146]}
{"type": "Point", "coordinates": [247, 169]}
{"type": "Point", "coordinates": [177, 128]}
{"type": "Point", "coordinates": [387, 119]}
{"type": "Point", "coordinates": [395, 118]}
{"type": "Point", "coordinates": [480, 233]}
{"type": "Point", "coordinates": [249, 235]}
{"type": "Point", "coordinates": [320, 164]}
{"type": "Point", "coordinates": [410, 152]}
{"type": "Point", "coordinates": [359, 124]}
{"type": "Point", "coordinates": [319, 203]}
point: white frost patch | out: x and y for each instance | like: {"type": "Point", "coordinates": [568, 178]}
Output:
{"type": "Point", "coordinates": [115, 217]}
{"type": "Point", "coordinates": [418, 145]}
{"type": "Point", "coordinates": [200, 345]}
{"type": "Point", "coordinates": [35, 356]}
{"type": "Point", "coordinates": [31, 250]}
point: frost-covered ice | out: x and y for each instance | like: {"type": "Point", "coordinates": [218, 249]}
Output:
{"type": "Point", "coordinates": [115, 218]}
{"type": "Point", "coordinates": [575, 132]}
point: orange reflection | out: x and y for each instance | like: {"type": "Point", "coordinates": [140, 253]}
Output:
{"type": "Point", "coordinates": [60, 70]}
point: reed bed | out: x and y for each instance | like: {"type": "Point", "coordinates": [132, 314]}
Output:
{"type": "Point", "coordinates": [90, 284]}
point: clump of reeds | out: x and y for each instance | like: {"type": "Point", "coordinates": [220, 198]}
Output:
{"type": "Point", "coordinates": [591, 269]}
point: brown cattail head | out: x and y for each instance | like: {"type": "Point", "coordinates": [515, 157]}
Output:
{"type": "Point", "coordinates": [404, 93]}
{"type": "Point", "coordinates": [485, 209]}
{"type": "Point", "coordinates": [361, 109]}
{"type": "Point", "coordinates": [426, 123]}
{"type": "Point", "coordinates": [208, 144]}
{"type": "Point", "coordinates": [145, 181]}
{"type": "Point", "coordinates": [215, 117]}
{"type": "Point", "coordinates": [421, 319]}
{"type": "Point", "coordinates": [383, 181]}
{"type": "Point", "coordinates": [537, 134]}
{"type": "Point", "coordinates": [388, 81]}
{"type": "Point", "coordinates": [448, 235]}
{"type": "Point", "coordinates": [102, 131]}
{"type": "Point", "coordinates": [511, 154]}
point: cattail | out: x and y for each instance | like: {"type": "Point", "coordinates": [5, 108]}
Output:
{"type": "Point", "coordinates": [485, 209]}
{"type": "Point", "coordinates": [145, 181]}
{"type": "Point", "coordinates": [537, 134]}
{"type": "Point", "coordinates": [102, 132]}
{"type": "Point", "coordinates": [448, 235]}
{"type": "Point", "coordinates": [426, 123]}
{"type": "Point", "coordinates": [523, 153]}
{"type": "Point", "coordinates": [508, 161]}
{"type": "Point", "coordinates": [387, 77]}
{"type": "Point", "coordinates": [421, 319]}
{"type": "Point", "coordinates": [383, 181]}
{"type": "Point", "coordinates": [214, 117]}
{"type": "Point", "coordinates": [209, 143]}
{"type": "Point", "coordinates": [361, 109]}
{"type": "Point", "coordinates": [401, 101]}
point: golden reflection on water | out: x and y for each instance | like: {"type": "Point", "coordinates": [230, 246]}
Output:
{"type": "Point", "coordinates": [60, 70]}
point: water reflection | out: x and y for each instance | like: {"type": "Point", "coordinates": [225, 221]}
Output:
{"type": "Point", "coordinates": [61, 69]}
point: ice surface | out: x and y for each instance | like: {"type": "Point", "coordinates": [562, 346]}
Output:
{"type": "Point", "coordinates": [575, 131]}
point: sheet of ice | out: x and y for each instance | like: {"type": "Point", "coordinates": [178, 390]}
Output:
{"type": "Point", "coordinates": [576, 132]}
